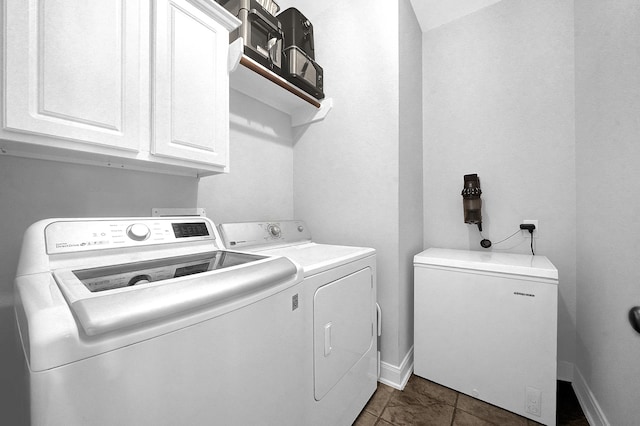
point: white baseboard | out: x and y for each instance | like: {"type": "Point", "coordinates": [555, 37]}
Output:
{"type": "Point", "coordinates": [397, 376]}
{"type": "Point", "coordinates": [588, 402]}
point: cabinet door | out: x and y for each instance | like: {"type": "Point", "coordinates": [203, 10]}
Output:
{"type": "Point", "coordinates": [72, 70]}
{"type": "Point", "coordinates": [191, 84]}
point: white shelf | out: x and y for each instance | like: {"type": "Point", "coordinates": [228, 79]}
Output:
{"type": "Point", "coordinates": [256, 81]}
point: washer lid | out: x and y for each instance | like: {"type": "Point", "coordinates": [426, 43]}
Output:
{"type": "Point", "coordinates": [505, 263]}
{"type": "Point", "coordinates": [139, 273]}
{"type": "Point", "coordinates": [115, 297]}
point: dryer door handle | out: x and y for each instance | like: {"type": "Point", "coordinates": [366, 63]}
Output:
{"type": "Point", "coordinates": [327, 339]}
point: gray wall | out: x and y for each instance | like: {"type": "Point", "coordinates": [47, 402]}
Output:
{"type": "Point", "coordinates": [351, 183]}
{"type": "Point", "coordinates": [260, 184]}
{"type": "Point", "coordinates": [31, 190]}
{"type": "Point", "coordinates": [608, 172]}
{"type": "Point", "coordinates": [411, 167]}
{"type": "Point", "coordinates": [499, 102]}
{"type": "Point", "coordinates": [345, 168]}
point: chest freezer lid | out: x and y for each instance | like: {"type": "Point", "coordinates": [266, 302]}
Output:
{"type": "Point", "coordinates": [505, 263]}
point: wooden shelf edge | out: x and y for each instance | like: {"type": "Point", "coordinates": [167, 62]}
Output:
{"type": "Point", "coordinates": [274, 78]}
{"type": "Point", "coordinates": [256, 81]}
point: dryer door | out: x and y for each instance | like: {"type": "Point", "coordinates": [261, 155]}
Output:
{"type": "Point", "coordinates": [343, 326]}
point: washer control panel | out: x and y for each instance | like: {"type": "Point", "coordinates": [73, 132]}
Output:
{"type": "Point", "coordinates": [67, 236]}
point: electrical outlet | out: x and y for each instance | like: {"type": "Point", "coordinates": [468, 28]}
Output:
{"type": "Point", "coordinates": [533, 404]}
{"type": "Point", "coordinates": [536, 232]}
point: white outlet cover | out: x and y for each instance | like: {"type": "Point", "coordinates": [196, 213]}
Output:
{"type": "Point", "coordinates": [533, 403]}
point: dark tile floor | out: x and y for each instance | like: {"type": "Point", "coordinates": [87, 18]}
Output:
{"type": "Point", "coordinates": [426, 403]}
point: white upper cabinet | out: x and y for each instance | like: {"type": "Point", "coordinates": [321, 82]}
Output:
{"type": "Point", "coordinates": [191, 108]}
{"type": "Point", "coordinates": [72, 70]}
{"type": "Point", "coordinates": [132, 84]}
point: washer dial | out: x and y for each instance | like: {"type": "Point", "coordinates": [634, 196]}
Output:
{"type": "Point", "coordinates": [274, 231]}
{"type": "Point", "coordinates": [138, 232]}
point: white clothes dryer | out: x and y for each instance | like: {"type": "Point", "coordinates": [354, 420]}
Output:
{"type": "Point", "coordinates": [341, 315]}
{"type": "Point", "coordinates": [149, 321]}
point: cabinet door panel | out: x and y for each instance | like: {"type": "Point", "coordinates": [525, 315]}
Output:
{"type": "Point", "coordinates": [72, 70]}
{"type": "Point", "coordinates": [191, 84]}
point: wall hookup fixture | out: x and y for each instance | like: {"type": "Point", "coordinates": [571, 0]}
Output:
{"type": "Point", "coordinates": [528, 229]}
{"type": "Point", "coordinates": [536, 227]}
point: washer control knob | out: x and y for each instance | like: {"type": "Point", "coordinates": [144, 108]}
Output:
{"type": "Point", "coordinates": [138, 232]}
{"type": "Point", "coordinates": [274, 230]}
{"type": "Point", "coordinates": [300, 228]}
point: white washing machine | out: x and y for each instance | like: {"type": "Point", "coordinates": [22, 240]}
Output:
{"type": "Point", "coordinates": [341, 315]}
{"type": "Point", "coordinates": [486, 325]}
{"type": "Point", "coordinates": [149, 321]}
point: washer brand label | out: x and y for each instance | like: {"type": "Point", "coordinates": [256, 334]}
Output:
{"type": "Point", "coordinates": [81, 244]}
{"type": "Point", "coordinates": [66, 245]}
{"type": "Point", "coordinates": [517, 293]}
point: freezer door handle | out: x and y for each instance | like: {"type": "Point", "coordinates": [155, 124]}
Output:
{"type": "Point", "coordinates": [327, 339]}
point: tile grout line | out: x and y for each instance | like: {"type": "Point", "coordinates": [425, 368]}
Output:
{"type": "Point", "coordinates": [393, 392]}
{"type": "Point", "coordinates": [455, 408]}
{"type": "Point", "coordinates": [379, 416]}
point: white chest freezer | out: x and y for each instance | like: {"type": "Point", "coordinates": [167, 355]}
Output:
{"type": "Point", "coordinates": [486, 326]}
